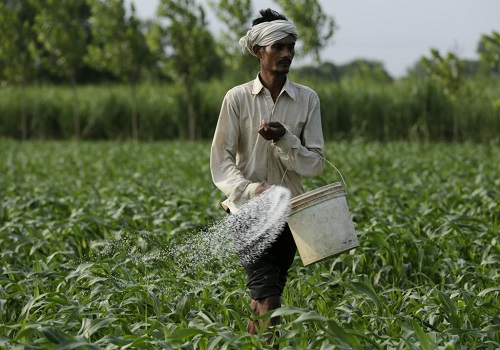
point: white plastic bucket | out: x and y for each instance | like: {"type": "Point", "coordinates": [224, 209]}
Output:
{"type": "Point", "coordinates": [321, 224]}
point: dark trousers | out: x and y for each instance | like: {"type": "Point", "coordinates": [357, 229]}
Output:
{"type": "Point", "coordinates": [268, 274]}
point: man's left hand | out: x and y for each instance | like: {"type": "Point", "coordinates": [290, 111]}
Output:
{"type": "Point", "coordinates": [271, 130]}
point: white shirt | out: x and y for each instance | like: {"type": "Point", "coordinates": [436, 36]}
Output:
{"type": "Point", "coordinates": [241, 159]}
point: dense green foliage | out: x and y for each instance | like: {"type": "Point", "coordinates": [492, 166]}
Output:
{"type": "Point", "coordinates": [413, 109]}
{"type": "Point", "coordinates": [425, 276]}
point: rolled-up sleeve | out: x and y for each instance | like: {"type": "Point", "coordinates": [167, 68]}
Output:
{"type": "Point", "coordinates": [225, 174]}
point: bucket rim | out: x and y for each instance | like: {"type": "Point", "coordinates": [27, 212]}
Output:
{"type": "Point", "coordinates": [334, 187]}
{"type": "Point", "coordinates": [308, 202]}
{"type": "Point", "coordinates": [319, 195]}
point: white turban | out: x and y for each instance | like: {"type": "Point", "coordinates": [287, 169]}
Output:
{"type": "Point", "coordinates": [266, 33]}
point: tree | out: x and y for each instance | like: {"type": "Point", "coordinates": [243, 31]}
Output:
{"type": "Point", "coordinates": [118, 46]}
{"type": "Point", "coordinates": [471, 68]}
{"type": "Point", "coordinates": [185, 49]}
{"type": "Point", "coordinates": [489, 52]}
{"type": "Point", "coordinates": [326, 71]}
{"type": "Point", "coordinates": [236, 15]}
{"type": "Point", "coordinates": [448, 71]}
{"type": "Point", "coordinates": [61, 31]}
{"type": "Point", "coordinates": [418, 70]}
{"type": "Point", "coordinates": [365, 70]}
{"type": "Point", "coordinates": [17, 57]}
{"type": "Point", "coordinates": [315, 27]}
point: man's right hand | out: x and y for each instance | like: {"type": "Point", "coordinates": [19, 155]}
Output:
{"type": "Point", "coordinates": [271, 130]}
{"type": "Point", "coordinates": [262, 187]}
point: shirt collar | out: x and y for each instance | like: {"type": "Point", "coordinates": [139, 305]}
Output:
{"type": "Point", "coordinates": [288, 87]}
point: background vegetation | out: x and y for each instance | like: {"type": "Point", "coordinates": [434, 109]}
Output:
{"type": "Point", "coordinates": [89, 69]}
{"type": "Point", "coordinates": [416, 110]}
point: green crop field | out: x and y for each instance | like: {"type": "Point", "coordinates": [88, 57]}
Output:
{"type": "Point", "coordinates": [89, 232]}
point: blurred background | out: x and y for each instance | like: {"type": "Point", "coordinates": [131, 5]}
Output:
{"type": "Point", "coordinates": [393, 32]}
{"type": "Point", "coordinates": [159, 69]}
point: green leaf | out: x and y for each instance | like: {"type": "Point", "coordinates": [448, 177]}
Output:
{"type": "Point", "coordinates": [450, 308]}
{"type": "Point", "coordinates": [77, 344]}
{"type": "Point", "coordinates": [95, 325]}
{"type": "Point", "coordinates": [54, 335]}
{"type": "Point", "coordinates": [310, 316]}
{"type": "Point", "coordinates": [364, 288]}
{"type": "Point", "coordinates": [212, 343]}
{"type": "Point", "coordinates": [288, 310]}
{"type": "Point", "coordinates": [488, 290]}
{"type": "Point", "coordinates": [186, 333]}
{"type": "Point", "coordinates": [491, 328]}
{"type": "Point", "coordinates": [426, 342]}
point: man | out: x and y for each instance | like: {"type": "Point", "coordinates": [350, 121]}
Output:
{"type": "Point", "coordinates": [268, 133]}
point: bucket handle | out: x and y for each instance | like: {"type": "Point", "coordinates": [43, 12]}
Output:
{"type": "Point", "coordinates": [326, 160]}
{"type": "Point", "coordinates": [338, 171]}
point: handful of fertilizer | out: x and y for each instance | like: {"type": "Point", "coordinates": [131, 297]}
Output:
{"type": "Point", "coordinates": [259, 222]}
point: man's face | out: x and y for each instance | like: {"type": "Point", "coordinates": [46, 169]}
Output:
{"type": "Point", "coordinates": [277, 57]}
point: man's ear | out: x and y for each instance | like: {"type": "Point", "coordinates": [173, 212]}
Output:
{"type": "Point", "coordinates": [256, 50]}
